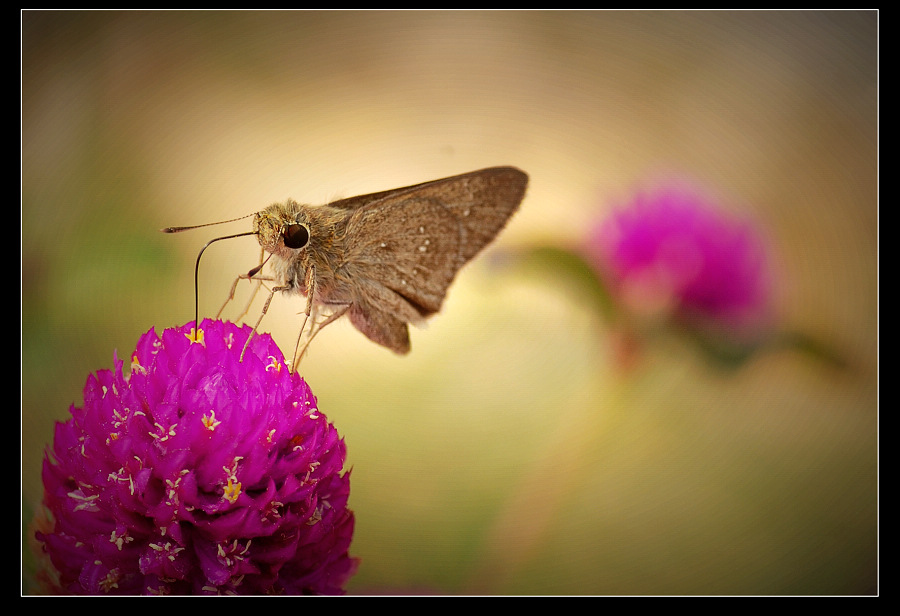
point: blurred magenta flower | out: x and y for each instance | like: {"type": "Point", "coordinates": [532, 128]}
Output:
{"type": "Point", "coordinates": [671, 252]}
{"type": "Point", "coordinates": [200, 473]}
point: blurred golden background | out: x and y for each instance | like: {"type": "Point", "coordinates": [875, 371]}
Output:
{"type": "Point", "coordinates": [508, 453]}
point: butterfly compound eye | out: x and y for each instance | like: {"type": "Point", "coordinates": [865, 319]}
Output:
{"type": "Point", "coordinates": [296, 236]}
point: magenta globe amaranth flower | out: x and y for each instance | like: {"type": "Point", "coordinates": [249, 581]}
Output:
{"type": "Point", "coordinates": [200, 473]}
{"type": "Point", "coordinates": [672, 253]}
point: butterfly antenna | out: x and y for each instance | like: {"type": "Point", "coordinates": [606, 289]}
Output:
{"type": "Point", "coordinates": [209, 224]}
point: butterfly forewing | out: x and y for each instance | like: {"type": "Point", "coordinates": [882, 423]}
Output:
{"type": "Point", "coordinates": [414, 240]}
{"type": "Point", "coordinates": [482, 202]}
{"type": "Point", "coordinates": [416, 261]}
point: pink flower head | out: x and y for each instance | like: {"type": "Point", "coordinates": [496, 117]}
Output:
{"type": "Point", "coordinates": [200, 473]}
{"type": "Point", "coordinates": [672, 252]}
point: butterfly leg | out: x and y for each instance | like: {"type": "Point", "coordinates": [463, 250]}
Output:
{"type": "Point", "coordinates": [310, 315]}
{"type": "Point", "coordinates": [314, 329]}
{"type": "Point", "coordinates": [253, 294]}
{"type": "Point", "coordinates": [251, 275]}
{"type": "Point", "coordinates": [309, 283]}
{"type": "Point", "coordinates": [265, 308]}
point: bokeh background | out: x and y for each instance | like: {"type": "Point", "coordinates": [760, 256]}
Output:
{"type": "Point", "coordinates": [509, 453]}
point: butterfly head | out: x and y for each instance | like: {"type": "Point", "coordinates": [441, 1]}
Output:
{"type": "Point", "coordinates": [281, 229]}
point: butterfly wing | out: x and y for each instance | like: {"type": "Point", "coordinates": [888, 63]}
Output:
{"type": "Point", "coordinates": [482, 202]}
{"type": "Point", "coordinates": [414, 240]}
{"type": "Point", "coordinates": [504, 178]}
{"type": "Point", "coordinates": [404, 247]}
